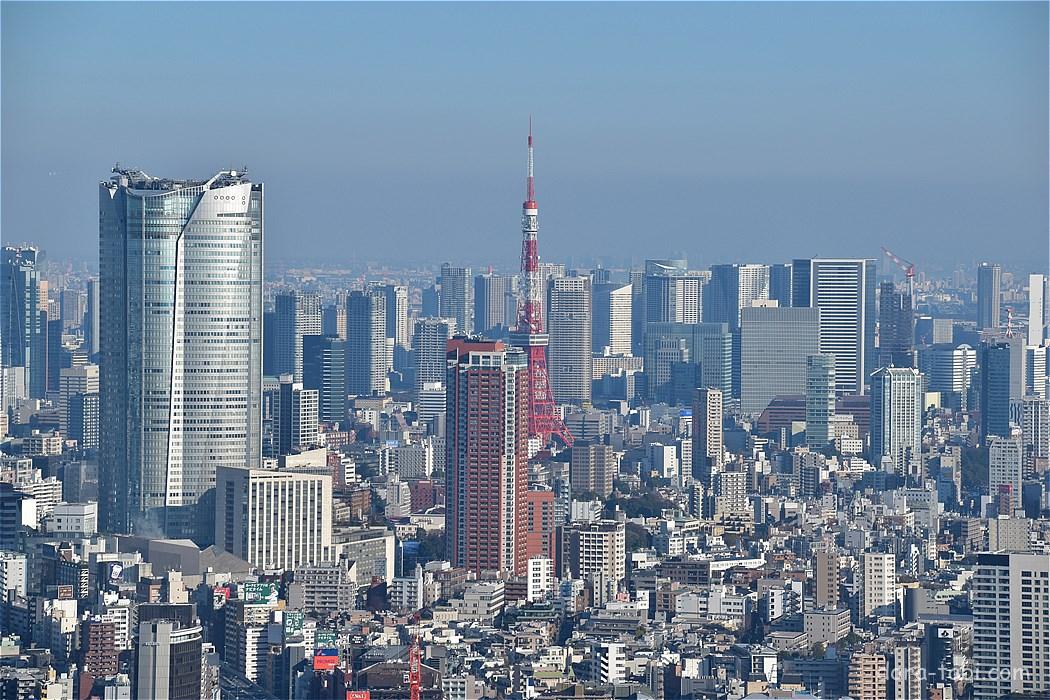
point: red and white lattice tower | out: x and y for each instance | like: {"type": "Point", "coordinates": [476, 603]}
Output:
{"type": "Point", "coordinates": [544, 420]}
{"type": "Point", "coordinates": [414, 670]}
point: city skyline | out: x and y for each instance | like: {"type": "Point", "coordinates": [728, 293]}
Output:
{"type": "Point", "coordinates": [735, 130]}
{"type": "Point", "coordinates": [751, 401]}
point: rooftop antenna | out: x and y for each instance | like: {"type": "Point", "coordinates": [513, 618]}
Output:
{"type": "Point", "coordinates": [530, 182]}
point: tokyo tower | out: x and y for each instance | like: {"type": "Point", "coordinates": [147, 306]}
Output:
{"type": "Point", "coordinates": [544, 420]}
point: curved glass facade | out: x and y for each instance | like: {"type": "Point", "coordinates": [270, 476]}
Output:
{"type": "Point", "coordinates": [181, 360]}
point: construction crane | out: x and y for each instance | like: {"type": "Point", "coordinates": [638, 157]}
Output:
{"type": "Point", "coordinates": [906, 267]}
{"type": "Point", "coordinates": [1009, 321]}
{"type": "Point", "coordinates": [414, 663]}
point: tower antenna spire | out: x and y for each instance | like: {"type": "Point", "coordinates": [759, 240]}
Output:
{"type": "Point", "coordinates": [544, 420]}
{"type": "Point", "coordinates": [530, 186]}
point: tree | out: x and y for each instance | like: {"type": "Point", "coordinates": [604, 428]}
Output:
{"type": "Point", "coordinates": [377, 515]}
{"type": "Point", "coordinates": [432, 546]}
{"type": "Point", "coordinates": [637, 537]}
{"type": "Point", "coordinates": [974, 468]}
{"type": "Point", "coordinates": [647, 505]}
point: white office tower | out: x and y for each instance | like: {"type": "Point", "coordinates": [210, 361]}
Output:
{"type": "Point", "coordinates": [879, 584]}
{"type": "Point", "coordinates": [408, 593]}
{"type": "Point", "coordinates": [430, 405]}
{"type": "Point", "coordinates": [569, 352]}
{"type": "Point", "coordinates": [1005, 461]}
{"type": "Point", "coordinates": [492, 313]}
{"type": "Point", "coordinates": [169, 660]}
{"type": "Point", "coordinates": [672, 294]}
{"type": "Point", "coordinates": [295, 416]}
{"type": "Point", "coordinates": [896, 418]}
{"type": "Point", "coordinates": [1038, 308]}
{"type": "Point", "coordinates": [12, 573]}
{"type": "Point", "coordinates": [611, 318]}
{"type": "Point", "coordinates": [296, 314]}
{"type": "Point", "coordinates": [1035, 427]}
{"type": "Point", "coordinates": [246, 639]}
{"type": "Point", "coordinates": [274, 519]}
{"type": "Point", "coordinates": [1011, 626]}
{"type": "Point", "coordinates": [598, 550]}
{"type": "Point", "coordinates": [181, 344]}
{"type": "Point", "coordinates": [732, 288]}
{"type": "Point", "coordinates": [366, 360]}
{"type": "Point", "coordinates": [844, 291]}
{"type": "Point", "coordinates": [608, 663]}
{"type": "Point", "coordinates": [81, 379]}
{"type": "Point", "coordinates": [820, 399]}
{"type": "Point", "coordinates": [429, 347]}
{"type": "Point", "coordinates": [1035, 377]}
{"type": "Point", "coordinates": [908, 674]}
{"type": "Point", "coordinates": [396, 296]}
{"type": "Point", "coordinates": [661, 460]}
{"type": "Point", "coordinates": [774, 346]}
{"type": "Point", "coordinates": [949, 371]}
{"type": "Point", "coordinates": [540, 582]}
{"type": "Point", "coordinates": [548, 271]}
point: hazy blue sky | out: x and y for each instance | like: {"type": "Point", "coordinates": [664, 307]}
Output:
{"type": "Point", "coordinates": [727, 132]}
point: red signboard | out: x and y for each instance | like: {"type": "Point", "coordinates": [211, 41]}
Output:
{"type": "Point", "coordinates": [326, 659]}
{"type": "Point", "coordinates": [358, 695]}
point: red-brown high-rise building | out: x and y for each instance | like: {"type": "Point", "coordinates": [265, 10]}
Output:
{"type": "Point", "coordinates": [486, 470]}
{"type": "Point", "coordinates": [98, 647]}
{"type": "Point", "coordinates": [539, 538]}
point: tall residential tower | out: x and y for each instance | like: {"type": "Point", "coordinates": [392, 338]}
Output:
{"type": "Point", "coordinates": [486, 473]}
{"type": "Point", "coordinates": [570, 339]}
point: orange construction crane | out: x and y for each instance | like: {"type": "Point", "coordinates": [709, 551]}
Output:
{"type": "Point", "coordinates": [906, 267]}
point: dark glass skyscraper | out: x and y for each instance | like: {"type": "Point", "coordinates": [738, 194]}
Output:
{"type": "Point", "coordinates": [23, 321]}
{"type": "Point", "coordinates": [989, 295]}
{"type": "Point", "coordinates": [995, 390]}
{"type": "Point", "coordinates": [732, 288]}
{"type": "Point", "coordinates": [780, 284]}
{"type": "Point", "coordinates": [296, 315]}
{"type": "Point", "coordinates": [91, 319]}
{"type": "Point", "coordinates": [896, 327]}
{"type": "Point", "coordinates": [708, 344]}
{"type": "Point", "coordinates": [324, 369]}
{"type": "Point", "coordinates": [53, 357]}
{"type": "Point", "coordinates": [366, 342]}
